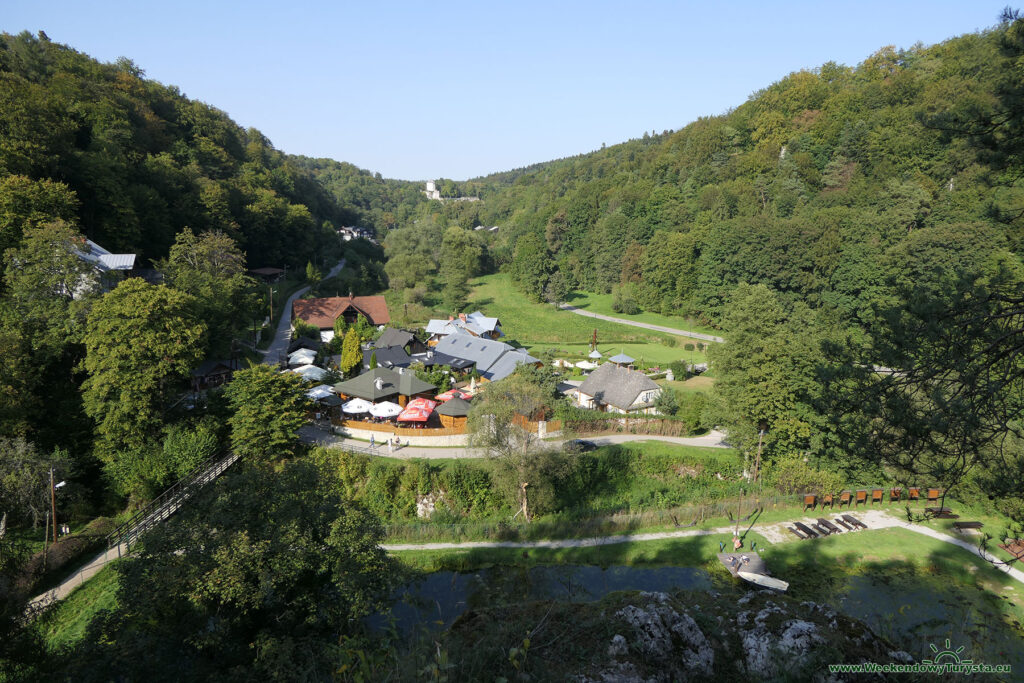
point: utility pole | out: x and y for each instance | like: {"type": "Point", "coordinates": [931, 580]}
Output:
{"type": "Point", "coordinates": [53, 505]}
{"type": "Point", "coordinates": [760, 442]}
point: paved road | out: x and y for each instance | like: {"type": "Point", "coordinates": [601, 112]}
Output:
{"type": "Point", "coordinates": [279, 346]}
{"type": "Point", "coordinates": [317, 435]}
{"type": "Point", "coordinates": [647, 326]}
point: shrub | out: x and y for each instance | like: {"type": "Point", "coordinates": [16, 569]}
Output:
{"type": "Point", "coordinates": [303, 329]}
{"type": "Point", "coordinates": [792, 475]}
{"type": "Point", "coordinates": [624, 300]}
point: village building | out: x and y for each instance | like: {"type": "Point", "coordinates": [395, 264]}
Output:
{"type": "Point", "coordinates": [212, 373]}
{"type": "Point", "coordinates": [321, 313]}
{"type": "Point", "coordinates": [108, 268]}
{"type": "Point", "coordinates": [475, 323]}
{"type": "Point", "coordinates": [384, 384]}
{"type": "Point", "coordinates": [392, 337]}
{"type": "Point", "coordinates": [494, 360]}
{"type": "Point", "coordinates": [453, 412]}
{"type": "Point", "coordinates": [617, 389]}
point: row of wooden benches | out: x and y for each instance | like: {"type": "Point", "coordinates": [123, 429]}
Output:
{"type": "Point", "coordinates": [824, 527]}
{"type": "Point", "coordinates": [862, 496]}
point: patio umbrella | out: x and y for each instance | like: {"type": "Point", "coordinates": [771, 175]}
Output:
{"type": "Point", "coordinates": [319, 392]}
{"type": "Point", "coordinates": [302, 357]}
{"type": "Point", "coordinates": [357, 406]}
{"type": "Point", "coordinates": [385, 409]}
{"type": "Point", "coordinates": [424, 403]}
{"type": "Point", "coordinates": [452, 393]}
{"type": "Point", "coordinates": [310, 372]}
{"type": "Point", "coordinates": [586, 365]}
{"type": "Point", "coordinates": [414, 415]}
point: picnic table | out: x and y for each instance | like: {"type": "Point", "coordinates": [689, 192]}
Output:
{"type": "Point", "coordinates": [960, 526]}
{"type": "Point", "coordinates": [941, 513]}
{"type": "Point", "coordinates": [806, 529]}
{"type": "Point", "coordinates": [832, 528]}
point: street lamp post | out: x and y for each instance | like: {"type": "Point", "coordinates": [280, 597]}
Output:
{"type": "Point", "coordinates": [272, 293]}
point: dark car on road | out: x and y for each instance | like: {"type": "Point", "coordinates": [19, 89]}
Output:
{"type": "Point", "coordinates": [581, 445]}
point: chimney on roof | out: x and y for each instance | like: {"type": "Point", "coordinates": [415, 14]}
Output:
{"type": "Point", "coordinates": [350, 294]}
{"type": "Point", "coordinates": [430, 354]}
{"type": "Point", "coordinates": [378, 384]}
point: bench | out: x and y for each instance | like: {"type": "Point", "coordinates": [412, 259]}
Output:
{"type": "Point", "coordinates": [855, 522]}
{"type": "Point", "coordinates": [796, 533]}
{"type": "Point", "coordinates": [1015, 547]}
{"type": "Point", "coordinates": [832, 528]}
{"type": "Point", "coordinates": [806, 529]}
{"type": "Point", "coordinates": [961, 526]}
{"type": "Point", "coordinates": [845, 525]}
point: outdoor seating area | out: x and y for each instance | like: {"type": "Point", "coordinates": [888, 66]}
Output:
{"type": "Point", "coordinates": [826, 527]}
{"type": "Point", "coordinates": [872, 496]}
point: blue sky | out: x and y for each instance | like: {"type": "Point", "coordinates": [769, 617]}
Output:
{"type": "Point", "coordinates": [447, 89]}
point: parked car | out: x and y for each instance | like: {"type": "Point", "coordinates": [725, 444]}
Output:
{"type": "Point", "coordinates": [581, 445]}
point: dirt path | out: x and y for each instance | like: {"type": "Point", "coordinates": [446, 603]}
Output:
{"type": "Point", "coordinates": [646, 326]}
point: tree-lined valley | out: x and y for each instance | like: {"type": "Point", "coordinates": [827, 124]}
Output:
{"type": "Point", "coordinates": [268, 416]}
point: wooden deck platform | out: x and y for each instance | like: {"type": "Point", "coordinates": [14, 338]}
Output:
{"type": "Point", "coordinates": [754, 564]}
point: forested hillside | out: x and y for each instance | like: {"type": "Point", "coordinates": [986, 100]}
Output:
{"type": "Point", "coordinates": [812, 187]}
{"type": "Point", "coordinates": [132, 162]}
{"type": "Point", "coordinates": [378, 203]}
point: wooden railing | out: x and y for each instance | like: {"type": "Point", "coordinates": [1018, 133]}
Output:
{"type": "Point", "coordinates": [398, 431]}
{"type": "Point", "coordinates": [389, 428]}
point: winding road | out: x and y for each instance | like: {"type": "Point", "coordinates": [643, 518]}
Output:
{"type": "Point", "coordinates": [279, 346]}
{"type": "Point", "coordinates": [646, 326]}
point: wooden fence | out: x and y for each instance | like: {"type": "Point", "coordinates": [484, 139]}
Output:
{"type": "Point", "coordinates": [389, 428]}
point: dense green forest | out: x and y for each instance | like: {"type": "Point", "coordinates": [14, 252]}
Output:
{"type": "Point", "coordinates": [132, 162]}
{"type": "Point", "coordinates": [809, 187]}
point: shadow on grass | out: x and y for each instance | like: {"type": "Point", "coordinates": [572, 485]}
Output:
{"type": "Point", "coordinates": [910, 589]}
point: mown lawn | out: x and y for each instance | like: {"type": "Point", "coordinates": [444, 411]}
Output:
{"type": "Point", "coordinates": [602, 303]}
{"type": "Point", "coordinates": [66, 622]}
{"type": "Point", "coordinates": [698, 384]}
{"type": "Point", "coordinates": [539, 327]}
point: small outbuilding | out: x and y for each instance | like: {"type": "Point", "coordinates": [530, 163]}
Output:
{"type": "Point", "coordinates": [454, 412]}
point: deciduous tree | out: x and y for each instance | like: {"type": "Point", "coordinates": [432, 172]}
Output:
{"type": "Point", "coordinates": [268, 408]}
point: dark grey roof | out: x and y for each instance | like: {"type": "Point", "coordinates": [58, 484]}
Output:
{"type": "Point", "coordinates": [393, 337]}
{"type": "Point", "coordinates": [434, 357]}
{"type": "Point", "coordinates": [483, 352]}
{"type": "Point", "coordinates": [390, 357]}
{"type": "Point", "coordinates": [616, 386]}
{"type": "Point", "coordinates": [305, 343]}
{"type": "Point", "coordinates": [507, 364]}
{"type": "Point", "coordinates": [214, 367]}
{"type": "Point", "coordinates": [392, 383]}
{"type": "Point", "coordinates": [489, 355]}
{"type": "Point", "coordinates": [455, 407]}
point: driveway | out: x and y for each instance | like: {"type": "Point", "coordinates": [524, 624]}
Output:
{"type": "Point", "coordinates": [320, 436]}
{"type": "Point", "coordinates": [646, 326]}
{"type": "Point", "coordinates": [279, 346]}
